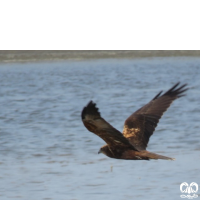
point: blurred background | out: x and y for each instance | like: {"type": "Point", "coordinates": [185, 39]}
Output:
{"type": "Point", "coordinates": [47, 153]}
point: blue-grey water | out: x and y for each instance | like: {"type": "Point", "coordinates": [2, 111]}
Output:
{"type": "Point", "coordinates": [47, 154]}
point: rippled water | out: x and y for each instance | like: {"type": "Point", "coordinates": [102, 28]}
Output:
{"type": "Point", "coordinates": [47, 153]}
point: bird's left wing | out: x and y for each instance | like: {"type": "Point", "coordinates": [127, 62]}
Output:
{"type": "Point", "coordinates": [95, 123]}
{"type": "Point", "coordinates": [139, 127]}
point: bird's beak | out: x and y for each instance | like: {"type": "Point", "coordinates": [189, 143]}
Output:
{"type": "Point", "coordinates": [99, 151]}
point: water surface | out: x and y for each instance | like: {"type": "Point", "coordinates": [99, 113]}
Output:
{"type": "Point", "coordinates": [47, 153]}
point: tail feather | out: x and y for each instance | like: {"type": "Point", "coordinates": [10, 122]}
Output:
{"type": "Point", "coordinates": [157, 156]}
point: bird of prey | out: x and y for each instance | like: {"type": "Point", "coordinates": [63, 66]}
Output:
{"type": "Point", "coordinates": [138, 128]}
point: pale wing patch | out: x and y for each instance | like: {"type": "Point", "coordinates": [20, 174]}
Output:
{"type": "Point", "coordinates": [130, 132]}
{"type": "Point", "coordinates": [118, 142]}
{"type": "Point", "coordinates": [138, 157]}
{"type": "Point", "coordinates": [102, 123]}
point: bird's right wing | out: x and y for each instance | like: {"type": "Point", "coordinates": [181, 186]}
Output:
{"type": "Point", "coordinates": [139, 127]}
{"type": "Point", "coordinates": [95, 123]}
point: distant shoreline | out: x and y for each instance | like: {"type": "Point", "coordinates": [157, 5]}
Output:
{"type": "Point", "coordinates": [52, 55]}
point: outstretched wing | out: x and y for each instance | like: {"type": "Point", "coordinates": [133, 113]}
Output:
{"type": "Point", "coordinates": [139, 127]}
{"type": "Point", "coordinates": [95, 123]}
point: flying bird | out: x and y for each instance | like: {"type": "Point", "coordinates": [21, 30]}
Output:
{"type": "Point", "coordinates": [131, 144]}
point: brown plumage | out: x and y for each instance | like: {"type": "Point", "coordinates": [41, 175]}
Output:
{"type": "Point", "coordinates": [138, 128]}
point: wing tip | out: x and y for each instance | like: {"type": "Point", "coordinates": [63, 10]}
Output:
{"type": "Point", "coordinates": [90, 109]}
{"type": "Point", "coordinates": [177, 90]}
{"type": "Point", "coordinates": [174, 91]}
{"type": "Point", "coordinates": [158, 95]}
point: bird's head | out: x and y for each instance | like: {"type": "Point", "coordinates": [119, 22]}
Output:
{"type": "Point", "coordinates": [104, 149]}
{"type": "Point", "coordinates": [100, 151]}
